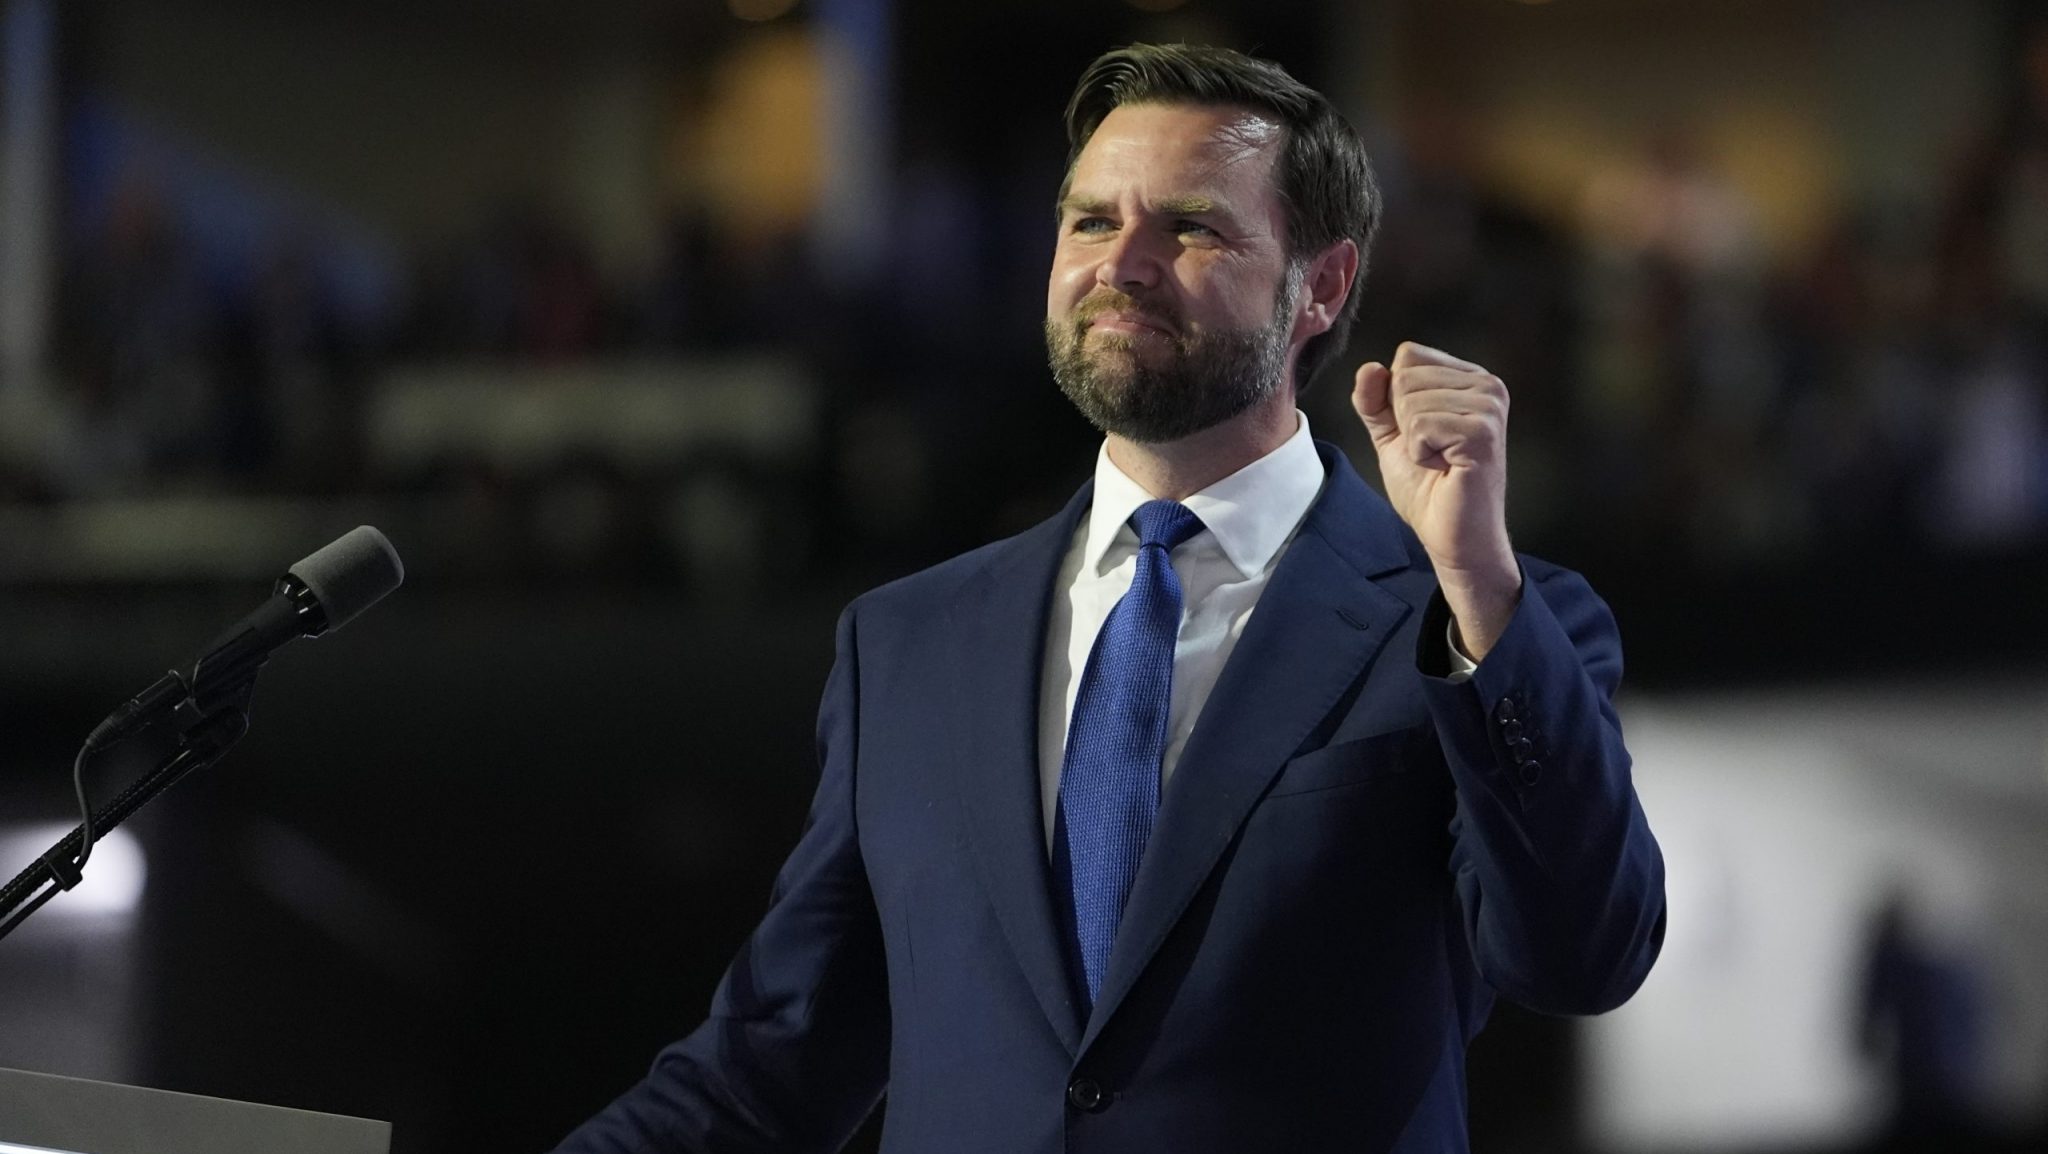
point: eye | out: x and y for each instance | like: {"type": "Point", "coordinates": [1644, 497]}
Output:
{"type": "Point", "coordinates": [1093, 224]}
{"type": "Point", "coordinates": [1194, 228]}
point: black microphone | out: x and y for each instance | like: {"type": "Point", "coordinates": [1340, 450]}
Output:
{"type": "Point", "coordinates": [210, 710]}
{"type": "Point", "coordinates": [326, 590]}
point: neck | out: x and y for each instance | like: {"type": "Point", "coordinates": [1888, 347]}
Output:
{"type": "Point", "coordinates": [1177, 470]}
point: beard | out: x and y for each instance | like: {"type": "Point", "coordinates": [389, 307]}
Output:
{"type": "Point", "coordinates": [1208, 378]}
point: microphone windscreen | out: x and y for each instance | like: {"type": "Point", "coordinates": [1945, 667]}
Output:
{"type": "Point", "coordinates": [351, 573]}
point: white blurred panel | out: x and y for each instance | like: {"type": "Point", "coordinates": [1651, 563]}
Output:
{"type": "Point", "coordinates": [69, 986]}
{"type": "Point", "coordinates": [1783, 831]}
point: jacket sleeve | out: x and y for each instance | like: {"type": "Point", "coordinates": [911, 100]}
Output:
{"type": "Point", "coordinates": [795, 1052]}
{"type": "Point", "coordinates": [1560, 880]}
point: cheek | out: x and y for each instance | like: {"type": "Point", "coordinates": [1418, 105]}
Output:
{"type": "Point", "coordinates": [1069, 283]}
{"type": "Point", "coordinates": [1213, 306]}
{"type": "Point", "coordinates": [1230, 297]}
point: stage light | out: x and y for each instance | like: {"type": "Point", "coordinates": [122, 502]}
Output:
{"type": "Point", "coordinates": [113, 878]}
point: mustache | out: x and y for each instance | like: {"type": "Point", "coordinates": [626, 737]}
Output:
{"type": "Point", "coordinates": [1112, 301]}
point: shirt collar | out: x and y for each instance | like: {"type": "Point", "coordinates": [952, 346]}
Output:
{"type": "Point", "coordinates": [1250, 513]}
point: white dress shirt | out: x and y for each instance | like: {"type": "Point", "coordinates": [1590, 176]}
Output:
{"type": "Point", "coordinates": [1248, 519]}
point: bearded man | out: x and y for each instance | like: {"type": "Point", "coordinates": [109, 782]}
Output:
{"type": "Point", "coordinates": [1213, 813]}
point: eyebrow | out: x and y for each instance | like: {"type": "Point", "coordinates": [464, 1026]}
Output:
{"type": "Point", "coordinates": [1169, 206]}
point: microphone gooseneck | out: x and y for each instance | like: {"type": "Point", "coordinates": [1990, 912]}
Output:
{"type": "Point", "coordinates": [208, 708]}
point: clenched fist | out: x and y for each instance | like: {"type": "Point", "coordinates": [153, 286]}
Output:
{"type": "Point", "coordinates": [1440, 426]}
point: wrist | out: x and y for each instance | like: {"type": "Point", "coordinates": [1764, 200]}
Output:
{"type": "Point", "coordinates": [1482, 602]}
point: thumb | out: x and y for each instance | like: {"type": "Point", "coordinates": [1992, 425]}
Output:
{"type": "Point", "coordinates": [1372, 396]}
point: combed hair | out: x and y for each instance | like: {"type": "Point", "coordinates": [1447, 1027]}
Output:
{"type": "Point", "coordinates": [1323, 176]}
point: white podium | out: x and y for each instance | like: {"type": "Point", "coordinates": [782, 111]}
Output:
{"type": "Point", "coordinates": [42, 1113]}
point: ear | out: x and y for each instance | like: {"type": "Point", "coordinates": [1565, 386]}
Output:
{"type": "Point", "coordinates": [1328, 283]}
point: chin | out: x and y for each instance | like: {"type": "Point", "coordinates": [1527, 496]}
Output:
{"type": "Point", "coordinates": [1119, 353]}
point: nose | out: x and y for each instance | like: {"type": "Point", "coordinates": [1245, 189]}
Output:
{"type": "Point", "coordinates": [1129, 264]}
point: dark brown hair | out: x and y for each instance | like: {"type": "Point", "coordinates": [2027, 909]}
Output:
{"type": "Point", "coordinates": [1323, 176]}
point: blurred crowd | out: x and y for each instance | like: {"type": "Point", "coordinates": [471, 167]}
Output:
{"type": "Point", "coordinates": [1683, 392]}
{"type": "Point", "coordinates": [1681, 389]}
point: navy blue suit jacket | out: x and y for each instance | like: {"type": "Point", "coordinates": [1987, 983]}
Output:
{"type": "Point", "coordinates": [1353, 858]}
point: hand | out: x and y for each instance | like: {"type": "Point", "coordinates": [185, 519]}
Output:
{"type": "Point", "coordinates": [1440, 427]}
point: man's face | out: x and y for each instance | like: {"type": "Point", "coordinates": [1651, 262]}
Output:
{"type": "Point", "coordinates": [1172, 303]}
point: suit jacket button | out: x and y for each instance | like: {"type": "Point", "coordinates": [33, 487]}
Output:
{"type": "Point", "coordinates": [1511, 730]}
{"type": "Point", "coordinates": [1504, 710]}
{"type": "Point", "coordinates": [1087, 1094]}
{"type": "Point", "coordinates": [1523, 750]}
{"type": "Point", "coordinates": [1531, 772]}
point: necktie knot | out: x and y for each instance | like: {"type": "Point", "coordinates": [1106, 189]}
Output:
{"type": "Point", "coordinates": [1165, 523]}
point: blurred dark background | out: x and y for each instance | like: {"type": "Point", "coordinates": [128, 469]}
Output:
{"type": "Point", "coordinates": [653, 330]}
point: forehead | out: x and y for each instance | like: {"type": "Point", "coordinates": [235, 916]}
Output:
{"type": "Point", "coordinates": [1169, 150]}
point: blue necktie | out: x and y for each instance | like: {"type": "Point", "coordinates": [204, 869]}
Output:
{"type": "Point", "coordinates": [1109, 783]}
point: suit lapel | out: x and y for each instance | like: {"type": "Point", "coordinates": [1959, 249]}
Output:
{"type": "Point", "coordinates": [1319, 624]}
{"type": "Point", "coordinates": [1000, 623]}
